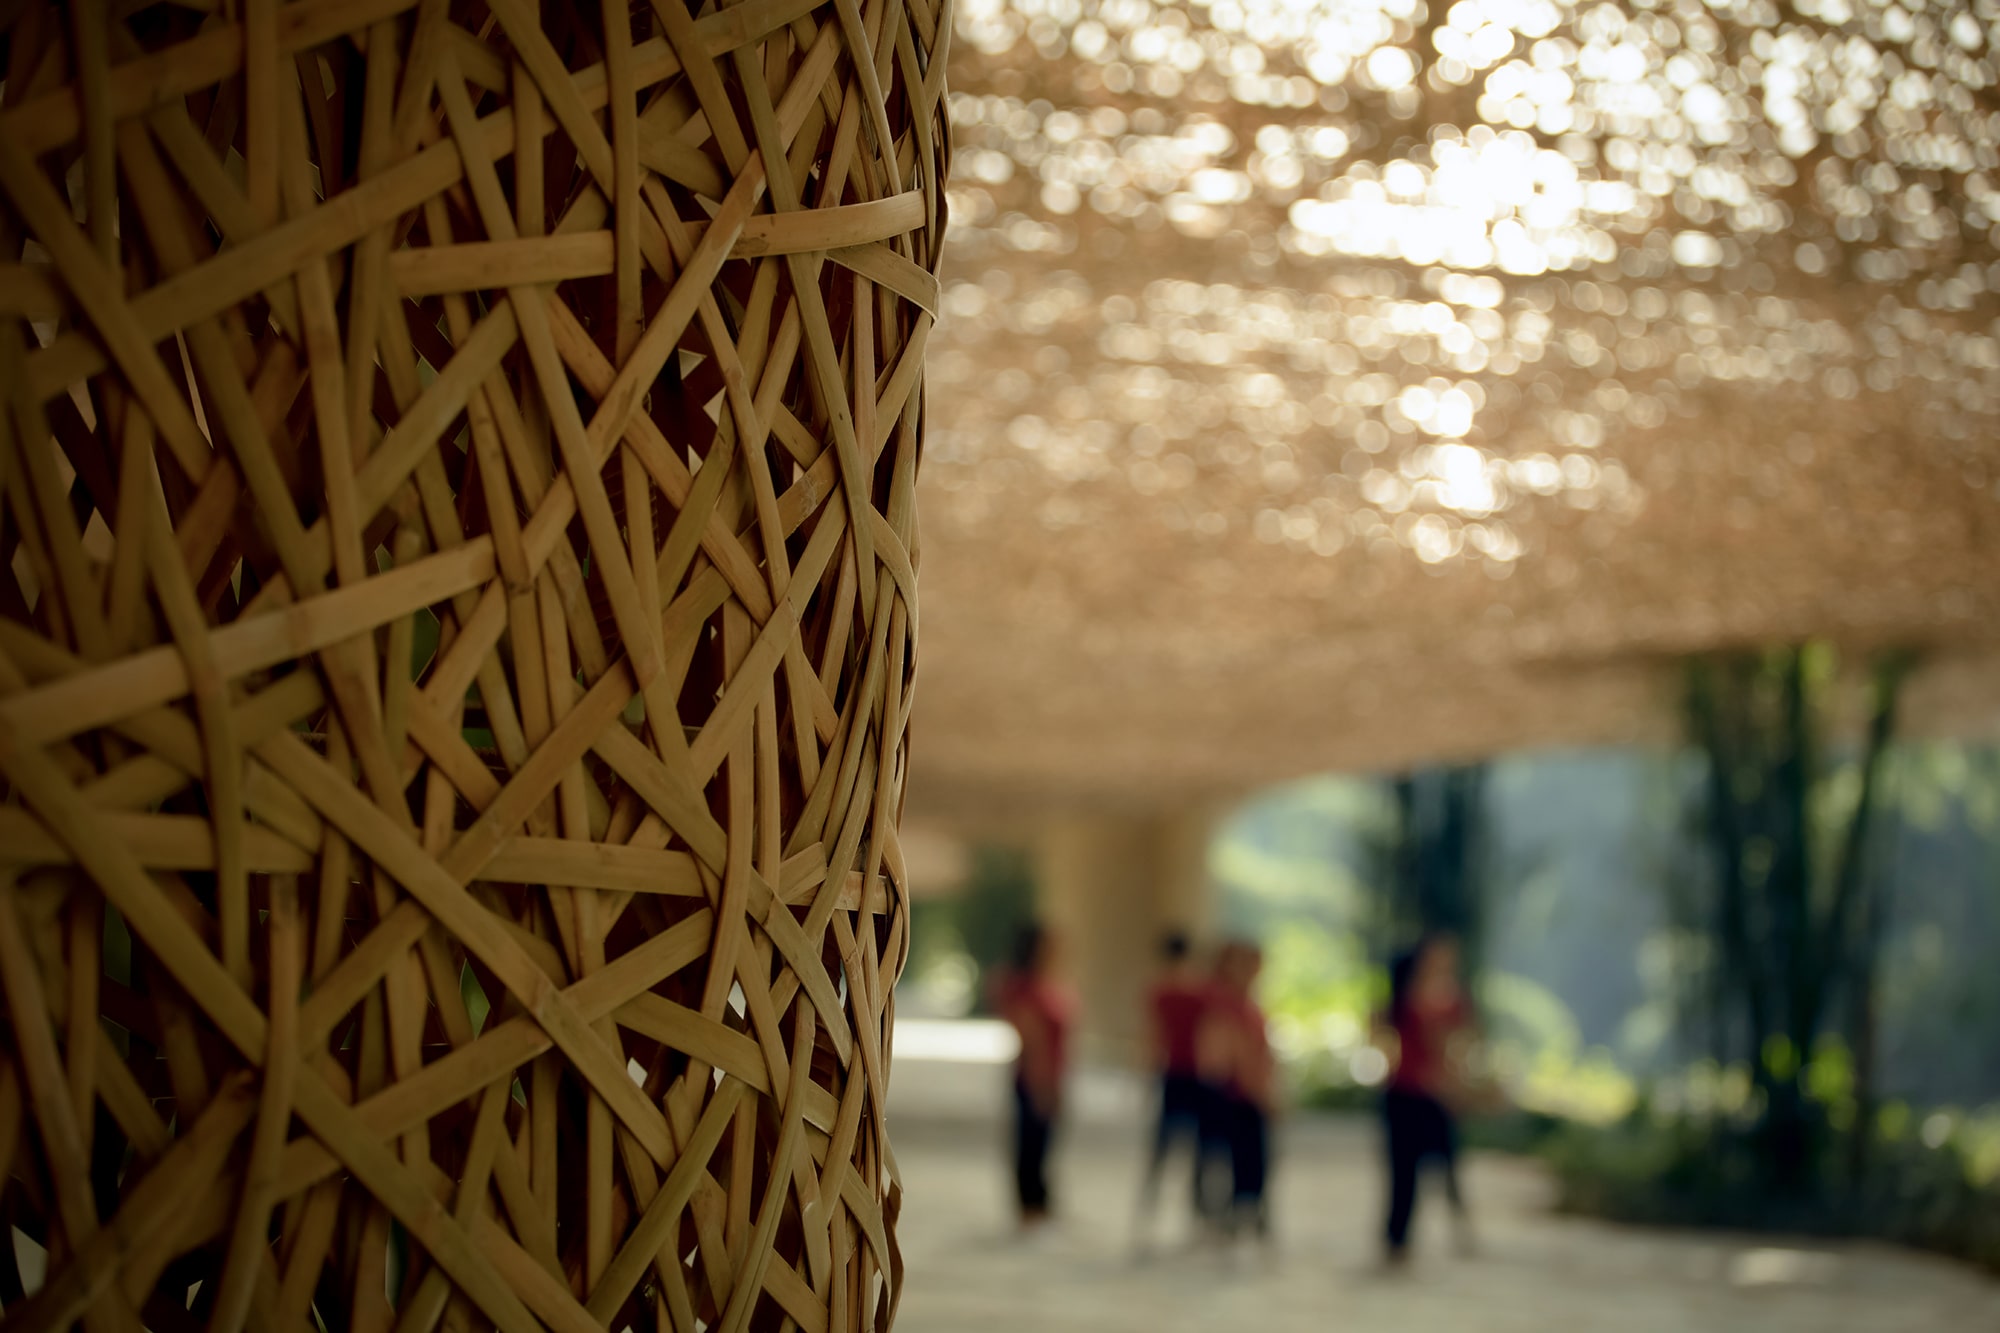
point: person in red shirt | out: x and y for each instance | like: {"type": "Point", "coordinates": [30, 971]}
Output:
{"type": "Point", "coordinates": [1235, 1055]}
{"type": "Point", "coordinates": [1427, 1014]}
{"type": "Point", "coordinates": [1174, 1007]}
{"type": "Point", "coordinates": [1041, 1010]}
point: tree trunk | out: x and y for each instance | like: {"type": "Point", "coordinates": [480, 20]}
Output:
{"type": "Point", "coordinates": [1789, 932]}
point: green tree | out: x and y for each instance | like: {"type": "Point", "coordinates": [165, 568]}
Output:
{"type": "Point", "coordinates": [1436, 862]}
{"type": "Point", "coordinates": [1791, 913]}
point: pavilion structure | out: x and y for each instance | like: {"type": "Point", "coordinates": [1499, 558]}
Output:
{"type": "Point", "coordinates": [459, 492]}
{"type": "Point", "coordinates": [1363, 386]}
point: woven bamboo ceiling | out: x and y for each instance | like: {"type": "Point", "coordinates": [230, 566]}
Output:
{"type": "Point", "coordinates": [1356, 382]}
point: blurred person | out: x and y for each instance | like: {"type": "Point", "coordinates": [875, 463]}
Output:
{"type": "Point", "coordinates": [1235, 1057]}
{"type": "Point", "coordinates": [1214, 1131]}
{"type": "Point", "coordinates": [1174, 1006]}
{"type": "Point", "coordinates": [1041, 1010]}
{"type": "Point", "coordinates": [1428, 1013]}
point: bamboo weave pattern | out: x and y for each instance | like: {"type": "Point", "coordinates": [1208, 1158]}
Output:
{"type": "Point", "coordinates": [456, 645]}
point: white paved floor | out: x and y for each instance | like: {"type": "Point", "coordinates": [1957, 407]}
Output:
{"type": "Point", "coordinates": [1535, 1273]}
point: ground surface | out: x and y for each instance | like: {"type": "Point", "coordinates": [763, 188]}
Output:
{"type": "Point", "coordinates": [1534, 1272]}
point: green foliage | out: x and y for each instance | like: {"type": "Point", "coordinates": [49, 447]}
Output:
{"type": "Point", "coordinates": [1691, 1152]}
{"type": "Point", "coordinates": [1535, 1051]}
{"type": "Point", "coordinates": [1785, 815]}
{"type": "Point", "coordinates": [1319, 989]}
{"type": "Point", "coordinates": [955, 941]}
{"type": "Point", "coordinates": [1521, 1013]}
{"type": "Point", "coordinates": [1437, 863]}
{"type": "Point", "coordinates": [997, 902]}
{"type": "Point", "coordinates": [1286, 867]}
{"type": "Point", "coordinates": [1933, 1184]}
{"type": "Point", "coordinates": [1297, 851]}
{"type": "Point", "coordinates": [1935, 779]}
{"type": "Point", "coordinates": [1312, 973]}
{"type": "Point", "coordinates": [477, 1006]}
{"type": "Point", "coordinates": [940, 977]}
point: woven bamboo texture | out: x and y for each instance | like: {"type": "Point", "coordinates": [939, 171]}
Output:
{"type": "Point", "coordinates": [456, 645]}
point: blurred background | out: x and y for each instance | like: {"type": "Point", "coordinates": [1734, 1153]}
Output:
{"type": "Point", "coordinates": [1521, 468]}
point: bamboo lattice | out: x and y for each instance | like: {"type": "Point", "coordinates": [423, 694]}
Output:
{"type": "Point", "coordinates": [455, 656]}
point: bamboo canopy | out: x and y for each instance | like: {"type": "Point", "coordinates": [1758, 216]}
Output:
{"type": "Point", "coordinates": [1350, 385]}
{"type": "Point", "coordinates": [457, 492]}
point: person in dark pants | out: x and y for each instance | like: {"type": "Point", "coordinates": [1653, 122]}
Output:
{"type": "Point", "coordinates": [1174, 1009]}
{"type": "Point", "coordinates": [1419, 1128]}
{"type": "Point", "coordinates": [1427, 1012]}
{"type": "Point", "coordinates": [1236, 1062]}
{"type": "Point", "coordinates": [1034, 1130]}
{"type": "Point", "coordinates": [1041, 1010]}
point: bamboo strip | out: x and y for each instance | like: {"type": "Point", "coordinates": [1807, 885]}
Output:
{"type": "Point", "coordinates": [851, 234]}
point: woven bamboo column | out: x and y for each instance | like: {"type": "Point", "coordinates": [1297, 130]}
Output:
{"type": "Point", "coordinates": [457, 597]}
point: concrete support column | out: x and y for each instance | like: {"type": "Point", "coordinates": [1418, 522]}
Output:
{"type": "Point", "coordinates": [1111, 885]}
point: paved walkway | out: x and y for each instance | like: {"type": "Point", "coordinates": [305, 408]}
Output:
{"type": "Point", "coordinates": [1535, 1272]}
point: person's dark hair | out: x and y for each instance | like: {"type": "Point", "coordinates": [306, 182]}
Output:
{"type": "Point", "coordinates": [1028, 946]}
{"type": "Point", "coordinates": [1174, 945]}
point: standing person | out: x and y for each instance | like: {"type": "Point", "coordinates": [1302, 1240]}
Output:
{"type": "Point", "coordinates": [1427, 1012]}
{"type": "Point", "coordinates": [1174, 1007]}
{"type": "Point", "coordinates": [1041, 1010]}
{"type": "Point", "coordinates": [1236, 1060]}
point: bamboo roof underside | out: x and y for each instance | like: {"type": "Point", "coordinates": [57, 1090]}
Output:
{"type": "Point", "coordinates": [1348, 387]}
